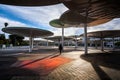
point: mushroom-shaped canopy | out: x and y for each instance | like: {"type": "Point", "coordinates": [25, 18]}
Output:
{"type": "Point", "coordinates": [98, 22]}
{"type": "Point", "coordinates": [58, 24]}
{"type": "Point", "coordinates": [74, 36]}
{"type": "Point", "coordinates": [27, 32]}
{"type": "Point", "coordinates": [74, 18]}
{"type": "Point", "coordinates": [58, 38]}
{"type": "Point", "coordinates": [29, 2]}
{"type": "Point", "coordinates": [107, 9]}
{"type": "Point", "coordinates": [104, 34]}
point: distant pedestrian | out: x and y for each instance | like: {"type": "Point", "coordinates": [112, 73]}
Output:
{"type": "Point", "coordinates": [60, 48]}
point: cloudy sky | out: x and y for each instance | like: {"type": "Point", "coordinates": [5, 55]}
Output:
{"type": "Point", "coordinates": [39, 17]}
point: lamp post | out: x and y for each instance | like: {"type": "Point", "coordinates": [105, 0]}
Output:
{"type": "Point", "coordinates": [5, 24]}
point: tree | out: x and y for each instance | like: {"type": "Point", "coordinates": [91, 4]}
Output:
{"type": "Point", "coordinates": [117, 44]}
{"type": "Point", "coordinates": [2, 39]}
{"type": "Point", "coordinates": [16, 40]}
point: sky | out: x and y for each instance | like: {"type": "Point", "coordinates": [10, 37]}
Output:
{"type": "Point", "coordinates": [40, 16]}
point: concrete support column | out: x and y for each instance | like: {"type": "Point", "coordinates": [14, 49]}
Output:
{"type": "Point", "coordinates": [76, 45]}
{"type": "Point", "coordinates": [63, 37]}
{"type": "Point", "coordinates": [85, 38]}
{"type": "Point", "coordinates": [54, 43]}
{"type": "Point", "coordinates": [47, 42]}
{"type": "Point", "coordinates": [96, 44]}
{"type": "Point", "coordinates": [85, 31]}
{"type": "Point", "coordinates": [68, 43]}
{"type": "Point", "coordinates": [91, 43]}
{"type": "Point", "coordinates": [102, 46]}
{"type": "Point", "coordinates": [30, 44]}
{"type": "Point", "coordinates": [113, 40]}
{"type": "Point", "coordinates": [37, 44]}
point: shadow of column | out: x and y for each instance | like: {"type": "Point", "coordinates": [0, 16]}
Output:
{"type": "Point", "coordinates": [102, 75]}
{"type": "Point", "coordinates": [109, 60]}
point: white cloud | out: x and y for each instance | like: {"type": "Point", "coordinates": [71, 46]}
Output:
{"type": "Point", "coordinates": [111, 25]}
{"type": "Point", "coordinates": [42, 16]}
{"type": "Point", "coordinates": [10, 23]}
{"type": "Point", "coordinates": [67, 31]}
{"type": "Point", "coordinates": [38, 15]}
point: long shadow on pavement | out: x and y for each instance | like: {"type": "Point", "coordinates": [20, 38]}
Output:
{"type": "Point", "coordinates": [8, 73]}
{"type": "Point", "coordinates": [38, 59]}
{"type": "Point", "coordinates": [110, 60]}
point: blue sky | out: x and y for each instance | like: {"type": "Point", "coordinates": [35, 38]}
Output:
{"type": "Point", "coordinates": [39, 17]}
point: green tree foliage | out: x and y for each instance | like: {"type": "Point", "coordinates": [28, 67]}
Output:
{"type": "Point", "coordinates": [117, 44]}
{"type": "Point", "coordinates": [16, 40]}
{"type": "Point", "coordinates": [2, 39]}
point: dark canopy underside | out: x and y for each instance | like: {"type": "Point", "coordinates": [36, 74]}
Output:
{"type": "Point", "coordinates": [102, 9]}
{"type": "Point", "coordinates": [27, 32]}
{"type": "Point", "coordinates": [74, 18]}
{"type": "Point", "coordinates": [30, 2]}
{"type": "Point", "coordinates": [96, 8]}
{"type": "Point", "coordinates": [58, 38]}
{"type": "Point", "coordinates": [104, 34]}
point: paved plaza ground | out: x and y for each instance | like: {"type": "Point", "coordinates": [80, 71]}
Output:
{"type": "Point", "coordinates": [45, 63]}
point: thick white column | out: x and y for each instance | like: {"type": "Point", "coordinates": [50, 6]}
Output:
{"type": "Point", "coordinates": [30, 44]}
{"type": "Point", "coordinates": [85, 38]}
{"type": "Point", "coordinates": [96, 44]}
{"type": "Point", "coordinates": [102, 47]}
{"type": "Point", "coordinates": [47, 42]}
{"type": "Point", "coordinates": [113, 43]}
{"type": "Point", "coordinates": [85, 31]}
{"type": "Point", "coordinates": [76, 42]}
{"type": "Point", "coordinates": [63, 37]}
{"type": "Point", "coordinates": [68, 43]}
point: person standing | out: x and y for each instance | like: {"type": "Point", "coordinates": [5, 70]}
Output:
{"type": "Point", "coordinates": [60, 48]}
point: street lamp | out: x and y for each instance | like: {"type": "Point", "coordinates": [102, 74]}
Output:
{"type": "Point", "coordinates": [6, 24]}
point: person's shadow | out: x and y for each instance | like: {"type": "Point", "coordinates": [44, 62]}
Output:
{"type": "Point", "coordinates": [111, 60]}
